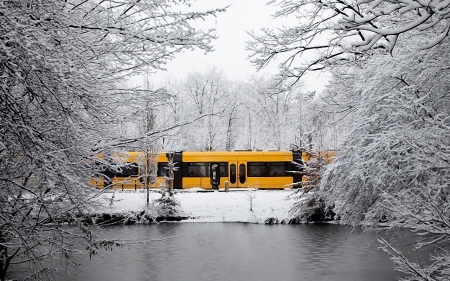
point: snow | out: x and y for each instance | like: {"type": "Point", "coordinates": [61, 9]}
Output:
{"type": "Point", "coordinates": [215, 206]}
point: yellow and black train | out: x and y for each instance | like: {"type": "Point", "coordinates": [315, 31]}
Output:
{"type": "Point", "coordinates": [206, 170]}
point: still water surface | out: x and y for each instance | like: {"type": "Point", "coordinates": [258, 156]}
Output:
{"type": "Point", "coordinates": [236, 251]}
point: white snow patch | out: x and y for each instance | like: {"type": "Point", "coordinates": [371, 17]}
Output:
{"type": "Point", "coordinates": [233, 206]}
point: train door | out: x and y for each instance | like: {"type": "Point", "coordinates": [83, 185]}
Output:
{"type": "Point", "coordinates": [237, 174]}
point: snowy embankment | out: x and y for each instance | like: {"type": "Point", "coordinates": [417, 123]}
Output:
{"type": "Point", "coordinates": [253, 206]}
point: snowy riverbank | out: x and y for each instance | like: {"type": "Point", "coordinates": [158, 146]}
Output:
{"type": "Point", "coordinates": [233, 206]}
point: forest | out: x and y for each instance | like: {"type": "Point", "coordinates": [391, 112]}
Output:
{"type": "Point", "coordinates": [64, 67]}
{"type": "Point", "coordinates": [234, 115]}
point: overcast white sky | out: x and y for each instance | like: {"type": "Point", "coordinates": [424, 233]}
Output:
{"type": "Point", "coordinates": [230, 55]}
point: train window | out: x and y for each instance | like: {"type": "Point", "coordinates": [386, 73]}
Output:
{"type": "Point", "coordinates": [196, 169]}
{"type": "Point", "coordinates": [242, 177]}
{"type": "Point", "coordinates": [233, 173]}
{"type": "Point", "coordinates": [258, 169]}
{"type": "Point", "coordinates": [202, 169]}
{"type": "Point", "coordinates": [131, 170]}
{"type": "Point", "coordinates": [278, 169]}
{"type": "Point", "coordinates": [267, 169]}
{"type": "Point", "coordinates": [162, 169]}
{"type": "Point", "coordinates": [223, 169]}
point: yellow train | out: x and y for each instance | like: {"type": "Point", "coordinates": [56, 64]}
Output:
{"type": "Point", "coordinates": [207, 170]}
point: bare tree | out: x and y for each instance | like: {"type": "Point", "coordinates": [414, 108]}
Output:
{"type": "Point", "coordinates": [231, 132]}
{"type": "Point", "coordinates": [270, 108]}
{"type": "Point", "coordinates": [208, 94]}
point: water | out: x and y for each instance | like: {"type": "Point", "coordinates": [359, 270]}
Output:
{"type": "Point", "coordinates": [234, 251]}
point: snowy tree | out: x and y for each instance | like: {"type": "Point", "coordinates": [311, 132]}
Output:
{"type": "Point", "coordinates": [327, 32]}
{"type": "Point", "coordinates": [299, 117]}
{"type": "Point", "coordinates": [206, 95]}
{"type": "Point", "coordinates": [326, 120]}
{"type": "Point", "coordinates": [269, 110]}
{"type": "Point", "coordinates": [169, 113]}
{"type": "Point", "coordinates": [339, 102]}
{"type": "Point", "coordinates": [232, 115]}
{"type": "Point", "coordinates": [393, 169]}
{"type": "Point", "coordinates": [312, 203]}
{"type": "Point", "coordinates": [167, 205]}
{"type": "Point", "coordinates": [207, 104]}
{"type": "Point", "coordinates": [62, 67]}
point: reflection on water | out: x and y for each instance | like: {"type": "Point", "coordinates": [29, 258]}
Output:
{"type": "Point", "coordinates": [233, 251]}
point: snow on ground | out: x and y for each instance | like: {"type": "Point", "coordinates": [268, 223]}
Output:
{"type": "Point", "coordinates": [233, 206]}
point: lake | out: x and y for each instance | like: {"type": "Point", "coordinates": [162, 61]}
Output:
{"type": "Point", "coordinates": [239, 251]}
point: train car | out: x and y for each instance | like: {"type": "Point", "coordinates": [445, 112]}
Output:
{"type": "Point", "coordinates": [241, 169]}
{"type": "Point", "coordinates": [206, 170]}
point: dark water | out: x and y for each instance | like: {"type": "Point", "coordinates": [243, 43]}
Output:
{"type": "Point", "coordinates": [234, 251]}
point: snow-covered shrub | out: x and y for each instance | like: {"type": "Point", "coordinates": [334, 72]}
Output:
{"type": "Point", "coordinates": [313, 207]}
{"type": "Point", "coordinates": [166, 206]}
{"type": "Point", "coordinates": [311, 201]}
